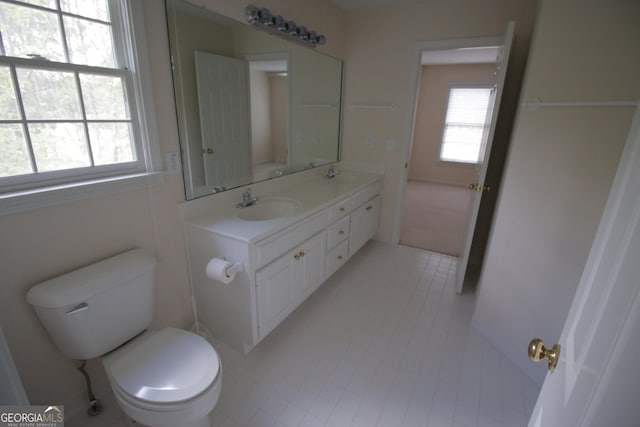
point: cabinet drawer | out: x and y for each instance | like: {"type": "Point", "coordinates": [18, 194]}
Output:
{"type": "Point", "coordinates": [338, 232]}
{"type": "Point", "coordinates": [365, 194]}
{"type": "Point", "coordinates": [337, 257]}
{"type": "Point", "coordinates": [340, 209]}
{"type": "Point", "coordinates": [272, 247]}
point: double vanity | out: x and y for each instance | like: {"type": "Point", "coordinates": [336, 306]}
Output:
{"type": "Point", "coordinates": [290, 241]}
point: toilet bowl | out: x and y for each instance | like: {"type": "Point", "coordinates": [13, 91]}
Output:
{"type": "Point", "coordinates": [164, 378]}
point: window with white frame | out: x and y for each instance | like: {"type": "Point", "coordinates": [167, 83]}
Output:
{"type": "Point", "coordinates": [465, 124]}
{"type": "Point", "coordinates": [68, 109]}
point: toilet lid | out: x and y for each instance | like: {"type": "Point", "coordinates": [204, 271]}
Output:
{"type": "Point", "coordinates": [170, 365]}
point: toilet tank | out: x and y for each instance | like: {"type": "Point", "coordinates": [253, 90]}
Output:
{"type": "Point", "coordinates": [90, 311]}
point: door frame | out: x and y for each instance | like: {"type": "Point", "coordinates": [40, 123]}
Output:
{"type": "Point", "coordinates": [415, 76]}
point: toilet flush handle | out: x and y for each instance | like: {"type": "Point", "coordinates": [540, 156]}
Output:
{"type": "Point", "coordinates": [78, 308]}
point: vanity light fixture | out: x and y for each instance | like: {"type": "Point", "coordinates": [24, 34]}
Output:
{"type": "Point", "coordinates": [264, 19]}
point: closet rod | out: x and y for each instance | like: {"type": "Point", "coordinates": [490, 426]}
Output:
{"type": "Point", "coordinates": [534, 104]}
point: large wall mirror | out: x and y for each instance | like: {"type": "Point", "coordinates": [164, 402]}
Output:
{"type": "Point", "coordinates": [251, 106]}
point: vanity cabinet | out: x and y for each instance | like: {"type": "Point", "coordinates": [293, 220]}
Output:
{"type": "Point", "coordinates": [364, 223]}
{"type": "Point", "coordinates": [338, 237]}
{"type": "Point", "coordinates": [284, 260]}
{"type": "Point", "coordinates": [285, 283]}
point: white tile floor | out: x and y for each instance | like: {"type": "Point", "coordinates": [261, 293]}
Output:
{"type": "Point", "coordinates": [385, 342]}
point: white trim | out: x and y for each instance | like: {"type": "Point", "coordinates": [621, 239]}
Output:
{"type": "Point", "coordinates": [415, 73]}
{"type": "Point", "coordinates": [22, 201]}
{"type": "Point", "coordinates": [143, 89]}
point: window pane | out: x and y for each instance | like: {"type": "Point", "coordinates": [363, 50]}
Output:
{"type": "Point", "coordinates": [59, 146]}
{"type": "Point", "coordinates": [29, 32]}
{"type": "Point", "coordinates": [15, 158]}
{"type": "Point", "coordinates": [103, 97]}
{"type": "Point", "coordinates": [49, 95]}
{"type": "Point", "coordinates": [8, 105]}
{"type": "Point", "coordinates": [462, 144]}
{"type": "Point", "coordinates": [97, 9]}
{"type": "Point", "coordinates": [464, 124]}
{"type": "Point", "coordinates": [89, 42]}
{"type": "Point", "coordinates": [45, 3]}
{"type": "Point", "coordinates": [468, 105]}
{"type": "Point", "coordinates": [111, 143]}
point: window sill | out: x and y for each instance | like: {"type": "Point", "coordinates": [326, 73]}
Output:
{"type": "Point", "coordinates": [459, 164]}
{"type": "Point", "coordinates": [26, 200]}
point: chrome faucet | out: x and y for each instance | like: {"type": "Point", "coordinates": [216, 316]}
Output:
{"type": "Point", "coordinates": [332, 172]}
{"type": "Point", "coordinates": [248, 199]}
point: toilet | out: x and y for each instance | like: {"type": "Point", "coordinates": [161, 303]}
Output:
{"type": "Point", "coordinates": [163, 378]}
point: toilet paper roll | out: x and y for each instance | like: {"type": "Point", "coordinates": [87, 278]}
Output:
{"type": "Point", "coordinates": [218, 269]}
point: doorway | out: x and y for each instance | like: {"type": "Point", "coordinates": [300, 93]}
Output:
{"type": "Point", "coordinates": [495, 51]}
{"type": "Point", "coordinates": [269, 113]}
{"type": "Point", "coordinates": [436, 196]}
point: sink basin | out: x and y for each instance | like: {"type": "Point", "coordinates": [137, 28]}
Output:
{"type": "Point", "coordinates": [271, 208]}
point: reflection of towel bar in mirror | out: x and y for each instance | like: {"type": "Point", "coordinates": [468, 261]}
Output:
{"type": "Point", "coordinates": [317, 106]}
{"type": "Point", "coordinates": [373, 107]}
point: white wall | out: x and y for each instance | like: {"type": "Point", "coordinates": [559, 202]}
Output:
{"type": "Point", "coordinates": [559, 172]}
{"type": "Point", "coordinates": [42, 243]}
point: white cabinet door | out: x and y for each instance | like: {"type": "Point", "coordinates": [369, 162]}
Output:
{"type": "Point", "coordinates": [275, 291]}
{"type": "Point", "coordinates": [364, 224]}
{"type": "Point", "coordinates": [310, 266]}
{"type": "Point", "coordinates": [282, 285]}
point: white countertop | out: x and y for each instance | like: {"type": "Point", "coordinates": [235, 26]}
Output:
{"type": "Point", "coordinates": [313, 193]}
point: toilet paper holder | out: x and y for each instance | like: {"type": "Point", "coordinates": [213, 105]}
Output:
{"type": "Point", "coordinates": [236, 268]}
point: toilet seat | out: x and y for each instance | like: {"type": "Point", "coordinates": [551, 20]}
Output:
{"type": "Point", "coordinates": [163, 367]}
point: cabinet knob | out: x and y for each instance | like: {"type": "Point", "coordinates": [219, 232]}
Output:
{"type": "Point", "coordinates": [301, 254]}
{"type": "Point", "coordinates": [341, 232]}
{"type": "Point", "coordinates": [296, 257]}
{"type": "Point", "coordinates": [340, 257]}
{"type": "Point", "coordinates": [341, 209]}
{"type": "Point", "coordinates": [369, 207]}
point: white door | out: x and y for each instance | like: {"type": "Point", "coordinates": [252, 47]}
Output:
{"type": "Point", "coordinates": [597, 380]}
{"type": "Point", "coordinates": [485, 151]}
{"type": "Point", "coordinates": [223, 101]}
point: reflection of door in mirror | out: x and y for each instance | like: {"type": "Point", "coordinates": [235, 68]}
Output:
{"type": "Point", "coordinates": [223, 103]}
{"type": "Point", "coordinates": [269, 95]}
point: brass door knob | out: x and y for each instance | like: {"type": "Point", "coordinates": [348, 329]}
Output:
{"type": "Point", "coordinates": [479, 188]}
{"type": "Point", "coordinates": [538, 352]}
{"type": "Point", "coordinates": [208, 150]}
